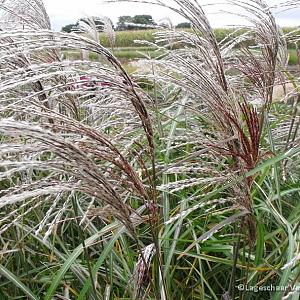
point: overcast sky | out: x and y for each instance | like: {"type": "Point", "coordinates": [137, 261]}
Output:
{"type": "Point", "coordinates": [63, 12]}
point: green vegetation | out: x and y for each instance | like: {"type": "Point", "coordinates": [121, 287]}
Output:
{"type": "Point", "coordinates": [127, 38]}
{"type": "Point", "coordinates": [183, 25]}
{"type": "Point", "coordinates": [293, 58]}
{"type": "Point", "coordinates": [127, 54]}
{"type": "Point", "coordinates": [96, 21]}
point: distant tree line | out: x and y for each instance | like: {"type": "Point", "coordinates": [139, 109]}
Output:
{"type": "Point", "coordinates": [76, 26]}
{"type": "Point", "coordinates": [137, 22]}
{"type": "Point", "coordinates": [183, 25]}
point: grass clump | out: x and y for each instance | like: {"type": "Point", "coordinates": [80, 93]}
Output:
{"type": "Point", "coordinates": [178, 182]}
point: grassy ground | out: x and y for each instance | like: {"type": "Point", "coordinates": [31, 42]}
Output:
{"type": "Point", "coordinates": [126, 49]}
{"type": "Point", "coordinates": [128, 38]}
{"type": "Point", "coordinates": [128, 54]}
{"type": "Point", "coordinates": [293, 59]}
{"type": "Point", "coordinates": [186, 190]}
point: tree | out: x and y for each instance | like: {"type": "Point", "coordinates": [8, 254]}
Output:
{"type": "Point", "coordinates": [183, 25]}
{"type": "Point", "coordinates": [144, 20]}
{"type": "Point", "coordinates": [68, 28]}
{"type": "Point", "coordinates": [97, 20]}
{"type": "Point", "coordinates": [127, 22]}
{"type": "Point", "coordinates": [122, 22]}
